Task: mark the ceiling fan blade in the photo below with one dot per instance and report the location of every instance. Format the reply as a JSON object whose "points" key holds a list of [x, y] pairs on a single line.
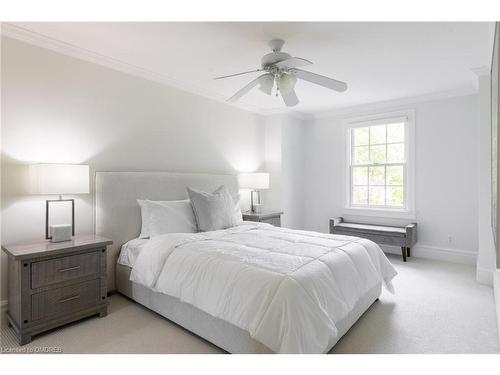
{"points": [[245, 89], [293, 62], [290, 99], [318, 79], [239, 74]]}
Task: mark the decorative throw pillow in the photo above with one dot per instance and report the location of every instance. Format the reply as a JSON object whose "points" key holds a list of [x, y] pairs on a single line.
{"points": [[214, 211]]}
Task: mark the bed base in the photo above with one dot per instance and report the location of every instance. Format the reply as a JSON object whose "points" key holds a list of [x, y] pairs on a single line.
{"points": [[215, 330]]}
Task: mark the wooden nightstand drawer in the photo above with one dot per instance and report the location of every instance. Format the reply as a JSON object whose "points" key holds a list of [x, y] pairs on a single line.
{"points": [[55, 270], [65, 300]]}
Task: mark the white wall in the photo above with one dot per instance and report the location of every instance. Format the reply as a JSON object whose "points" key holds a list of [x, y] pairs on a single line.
{"points": [[272, 198], [486, 248], [447, 149], [60, 109], [284, 161], [293, 168]]}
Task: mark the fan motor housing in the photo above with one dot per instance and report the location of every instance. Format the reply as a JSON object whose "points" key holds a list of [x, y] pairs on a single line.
{"points": [[273, 58]]}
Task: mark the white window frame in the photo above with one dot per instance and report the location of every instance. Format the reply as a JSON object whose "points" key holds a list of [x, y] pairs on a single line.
{"points": [[408, 212]]}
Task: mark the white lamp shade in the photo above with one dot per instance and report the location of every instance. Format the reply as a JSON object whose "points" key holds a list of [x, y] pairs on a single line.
{"points": [[287, 83], [266, 83], [47, 179], [256, 181]]}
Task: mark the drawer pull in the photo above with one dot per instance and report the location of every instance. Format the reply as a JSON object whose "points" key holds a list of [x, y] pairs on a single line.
{"points": [[69, 269], [69, 298]]}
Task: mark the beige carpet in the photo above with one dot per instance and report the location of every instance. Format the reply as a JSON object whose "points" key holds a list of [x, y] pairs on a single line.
{"points": [[438, 308]]}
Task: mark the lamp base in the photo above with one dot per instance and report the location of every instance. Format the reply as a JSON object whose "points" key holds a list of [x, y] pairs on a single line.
{"points": [[256, 209], [47, 202], [255, 205], [60, 232]]}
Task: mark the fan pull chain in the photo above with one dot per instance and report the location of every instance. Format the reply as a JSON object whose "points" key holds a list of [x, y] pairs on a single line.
{"points": [[277, 79]]}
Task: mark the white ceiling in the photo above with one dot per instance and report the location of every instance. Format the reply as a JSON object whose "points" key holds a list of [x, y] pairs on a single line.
{"points": [[379, 61]]}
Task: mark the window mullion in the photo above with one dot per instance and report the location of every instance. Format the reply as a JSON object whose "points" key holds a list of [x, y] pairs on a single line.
{"points": [[351, 151], [369, 145], [385, 184], [352, 147], [368, 169], [370, 165], [385, 169]]}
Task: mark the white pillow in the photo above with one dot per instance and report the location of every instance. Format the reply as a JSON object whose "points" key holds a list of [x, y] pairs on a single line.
{"points": [[214, 211], [144, 218], [171, 217], [146, 215]]}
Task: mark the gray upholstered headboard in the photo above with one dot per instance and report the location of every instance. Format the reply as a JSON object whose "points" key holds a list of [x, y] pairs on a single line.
{"points": [[117, 214]]}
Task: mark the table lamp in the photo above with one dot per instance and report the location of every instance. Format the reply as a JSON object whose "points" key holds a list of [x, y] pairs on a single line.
{"points": [[256, 182], [59, 179]]}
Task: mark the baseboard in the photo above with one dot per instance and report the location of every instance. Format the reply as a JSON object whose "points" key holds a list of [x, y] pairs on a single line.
{"points": [[485, 276], [438, 253], [496, 291]]}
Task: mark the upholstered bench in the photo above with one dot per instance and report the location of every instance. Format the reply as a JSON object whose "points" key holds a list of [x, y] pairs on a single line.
{"points": [[404, 237]]}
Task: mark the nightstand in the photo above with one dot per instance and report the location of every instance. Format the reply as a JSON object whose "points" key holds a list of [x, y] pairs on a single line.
{"points": [[51, 284], [270, 217]]}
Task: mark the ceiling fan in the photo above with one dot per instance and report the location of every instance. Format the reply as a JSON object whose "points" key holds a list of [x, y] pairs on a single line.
{"points": [[281, 70]]}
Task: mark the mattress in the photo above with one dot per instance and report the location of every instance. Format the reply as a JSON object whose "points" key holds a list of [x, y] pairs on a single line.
{"points": [[215, 330]]}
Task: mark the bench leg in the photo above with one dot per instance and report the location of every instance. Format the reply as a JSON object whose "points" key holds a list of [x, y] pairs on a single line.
{"points": [[408, 252], [403, 251]]}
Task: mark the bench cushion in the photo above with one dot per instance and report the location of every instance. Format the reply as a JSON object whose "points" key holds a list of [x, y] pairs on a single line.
{"points": [[371, 229]]}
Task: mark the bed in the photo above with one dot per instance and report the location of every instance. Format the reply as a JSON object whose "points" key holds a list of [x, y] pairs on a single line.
{"points": [[289, 291]]}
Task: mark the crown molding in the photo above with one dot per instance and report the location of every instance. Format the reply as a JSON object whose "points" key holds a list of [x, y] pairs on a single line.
{"points": [[396, 103], [25, 35], [39, 40]]}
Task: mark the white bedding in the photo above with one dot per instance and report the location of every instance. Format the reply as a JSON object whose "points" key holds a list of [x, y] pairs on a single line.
{"points": [[287, 288], [131, 250]]}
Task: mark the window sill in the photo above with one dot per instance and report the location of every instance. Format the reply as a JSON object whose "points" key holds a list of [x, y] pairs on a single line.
{"points": [[381, 213]]}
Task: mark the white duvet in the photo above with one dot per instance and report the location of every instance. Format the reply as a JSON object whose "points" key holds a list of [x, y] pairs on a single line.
{"points": [[287, 288]]}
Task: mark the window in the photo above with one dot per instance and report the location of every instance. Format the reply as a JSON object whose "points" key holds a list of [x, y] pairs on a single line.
{"points": [[379, 164]]}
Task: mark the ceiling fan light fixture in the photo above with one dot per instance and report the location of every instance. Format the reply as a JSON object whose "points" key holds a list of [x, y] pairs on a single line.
{"points": [[281, 69], [266, 83], [287, 83]]}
